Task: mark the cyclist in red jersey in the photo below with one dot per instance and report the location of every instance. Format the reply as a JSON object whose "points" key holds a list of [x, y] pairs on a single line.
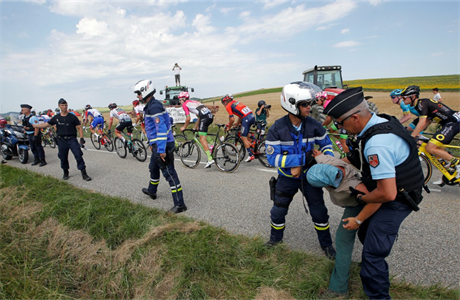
{"points": [[429, 111], [245, 118]]}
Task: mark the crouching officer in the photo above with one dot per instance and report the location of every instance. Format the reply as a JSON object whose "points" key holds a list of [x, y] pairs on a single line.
{"points": [[288, 141], [67, 125], [162, 145], [388, 159], [34, 135]]}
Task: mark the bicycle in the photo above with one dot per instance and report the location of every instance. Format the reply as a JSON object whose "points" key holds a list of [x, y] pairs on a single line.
{"points": [[336, 144], [101, 139], [49, 137], [133, 146], [257, 146], [450, 176], [139, 134], [179, 138], [224, 154]]}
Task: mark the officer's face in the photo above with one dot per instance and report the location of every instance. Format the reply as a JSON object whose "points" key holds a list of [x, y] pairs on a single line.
{"points": [[304, 108], [63, 107], [25, 111]]}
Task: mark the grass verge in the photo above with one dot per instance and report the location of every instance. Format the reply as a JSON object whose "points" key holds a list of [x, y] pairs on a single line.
{"points": [[57, 241]]}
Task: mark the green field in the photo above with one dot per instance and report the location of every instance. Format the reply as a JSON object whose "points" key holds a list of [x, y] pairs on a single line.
{"points": [[448, 83]]}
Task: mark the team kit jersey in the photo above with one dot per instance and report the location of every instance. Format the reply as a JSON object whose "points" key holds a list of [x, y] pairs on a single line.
{"points": [[436, 111], [93, 113], [120, 114], [237, 108], [196, 107], [139, 109]]}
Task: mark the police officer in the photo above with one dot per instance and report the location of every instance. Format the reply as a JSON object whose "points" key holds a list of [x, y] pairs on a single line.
{"points": [[288, 142], [162, 145], [391, 171], [33, 134], [67, 125]]}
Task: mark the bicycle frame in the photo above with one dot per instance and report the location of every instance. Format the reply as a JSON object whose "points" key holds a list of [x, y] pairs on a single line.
{"points": [[435, 162]]}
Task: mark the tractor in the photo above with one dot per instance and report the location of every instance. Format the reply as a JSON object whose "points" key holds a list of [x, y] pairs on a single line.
{"points": [[172, 94], [329, 79]]}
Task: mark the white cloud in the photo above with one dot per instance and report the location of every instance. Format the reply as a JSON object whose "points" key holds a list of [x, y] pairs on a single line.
{"points": [[437, 54], [322, 28], [226, 10], [91, 27], [345, 30], [346, 44], [245, 14], [201, 23], [272, 3]]}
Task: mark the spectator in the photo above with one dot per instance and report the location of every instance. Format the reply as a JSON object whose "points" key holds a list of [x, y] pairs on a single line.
{"points": [[176, 70], [437, 95]]}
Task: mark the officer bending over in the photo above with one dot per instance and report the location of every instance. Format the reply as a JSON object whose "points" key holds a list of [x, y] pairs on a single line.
{"points": [[67, 125], [34, 135], [388, 159]]}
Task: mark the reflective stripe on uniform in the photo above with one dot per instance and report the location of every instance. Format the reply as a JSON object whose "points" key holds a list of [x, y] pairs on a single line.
{"points": [[321, 226], [277, 226]]}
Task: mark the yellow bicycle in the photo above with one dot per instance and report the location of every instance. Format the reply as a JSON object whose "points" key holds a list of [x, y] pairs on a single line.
{"points": [[449, 175]]}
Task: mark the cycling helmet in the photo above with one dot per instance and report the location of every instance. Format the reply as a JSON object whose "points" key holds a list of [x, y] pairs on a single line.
{"points": [[3, 122], [226, 98], [411, 90], [260, 103], [396, 92], [320, 95], [112, 105], [185, 95], [296, 92], [135, 103], [88, 107], [57, 110], [144, 88]]}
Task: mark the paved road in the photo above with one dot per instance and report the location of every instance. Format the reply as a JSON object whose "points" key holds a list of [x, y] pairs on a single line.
{"points": [[426, 252]]}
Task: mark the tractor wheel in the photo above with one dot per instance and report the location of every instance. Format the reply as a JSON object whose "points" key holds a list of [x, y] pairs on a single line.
{"points": [[317, 113]]}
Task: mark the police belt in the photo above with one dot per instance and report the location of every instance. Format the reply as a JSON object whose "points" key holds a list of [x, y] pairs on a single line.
{"points": [[67, 137]]}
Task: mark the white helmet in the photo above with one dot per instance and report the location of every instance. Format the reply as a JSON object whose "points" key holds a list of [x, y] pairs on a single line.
{"points": [[144, 88], [296, 92]]}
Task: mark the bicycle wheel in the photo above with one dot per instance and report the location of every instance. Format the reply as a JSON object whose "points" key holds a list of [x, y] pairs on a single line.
{"points": [[180, 139], [238, 143], [190, 154], [139, 151], [52, 141], [108, 142], [120, 147], [427, 168], [262, 155], [226, 157], [96, 141]]}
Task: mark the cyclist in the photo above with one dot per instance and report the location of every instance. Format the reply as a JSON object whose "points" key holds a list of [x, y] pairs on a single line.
{"points": [[123, 119], [429, 111], [262, 113], [205, 118], [288, 142], [321, 100], [396, 98], [245, 118], [96, 118], [161, 140]]}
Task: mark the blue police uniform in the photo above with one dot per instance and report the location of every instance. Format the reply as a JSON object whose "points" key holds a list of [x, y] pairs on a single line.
{"points": [[286, 148], [36, 148], [383, 152], [160, 136]]}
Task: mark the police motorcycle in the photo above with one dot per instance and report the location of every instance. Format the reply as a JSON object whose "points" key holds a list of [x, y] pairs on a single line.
{"points": [[13, 140]]}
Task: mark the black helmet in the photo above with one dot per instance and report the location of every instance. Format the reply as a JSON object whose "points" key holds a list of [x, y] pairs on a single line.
{"points": [[260, 103], [112, 105], [88, 107], [411, 90]]}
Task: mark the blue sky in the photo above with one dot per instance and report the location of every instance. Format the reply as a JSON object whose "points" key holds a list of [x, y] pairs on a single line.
{"points": [[93, 52]]}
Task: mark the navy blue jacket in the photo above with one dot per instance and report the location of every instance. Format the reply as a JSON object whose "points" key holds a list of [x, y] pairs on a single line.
{"points": [[157, 125]]}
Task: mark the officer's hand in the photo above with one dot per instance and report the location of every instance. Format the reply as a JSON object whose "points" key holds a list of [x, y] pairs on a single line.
{"points": [[163, 156], [309, 160], [296, 171], [36, 140], [355, 193], [82, 141], [351, 225]]}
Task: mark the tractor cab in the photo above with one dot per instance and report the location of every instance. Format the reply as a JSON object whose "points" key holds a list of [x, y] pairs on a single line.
{"points": [[328, 78], [172, 94]]}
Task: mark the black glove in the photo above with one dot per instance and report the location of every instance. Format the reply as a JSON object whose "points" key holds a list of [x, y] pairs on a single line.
{"points": [[82, 142], [309, 160], [109, 132], [355, 193], [37, 140]]}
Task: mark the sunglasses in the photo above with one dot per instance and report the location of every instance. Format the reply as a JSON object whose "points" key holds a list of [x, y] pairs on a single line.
{"points": [[341, 122], [306, 103], [138, 93]]}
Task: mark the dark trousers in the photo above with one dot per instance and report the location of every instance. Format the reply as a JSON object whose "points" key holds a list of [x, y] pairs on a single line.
{"points": [[37, 149], [378, 235], [72, 144], [286, 189], [169, 173]]}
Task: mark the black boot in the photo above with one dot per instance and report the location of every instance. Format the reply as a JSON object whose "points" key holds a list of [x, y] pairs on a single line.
{"points": [[66, 175], [36, 161], [84, 175], [42, 162]]}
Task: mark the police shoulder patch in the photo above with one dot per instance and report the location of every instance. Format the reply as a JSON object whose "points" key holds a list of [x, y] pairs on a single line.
{"points": [[157, 120], [270, 150], [373, 160]]}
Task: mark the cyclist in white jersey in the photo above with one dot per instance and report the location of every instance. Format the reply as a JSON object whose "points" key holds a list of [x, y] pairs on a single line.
{"points": [[123, 119], [139, 115], [96, 118]]}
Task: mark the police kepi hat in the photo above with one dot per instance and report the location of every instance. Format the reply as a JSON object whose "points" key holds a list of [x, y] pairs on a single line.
{"points": [[62, 101], [26, 106], [344, 102]]}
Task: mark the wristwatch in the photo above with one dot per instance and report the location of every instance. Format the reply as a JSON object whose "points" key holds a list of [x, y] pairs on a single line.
{"points": [[360, 200], [358, 221]]}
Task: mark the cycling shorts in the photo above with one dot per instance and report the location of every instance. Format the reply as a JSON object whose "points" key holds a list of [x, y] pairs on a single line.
{"points": [[97, 121], [125, 124], [446, 134], [246, 124], [205, 121]]}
